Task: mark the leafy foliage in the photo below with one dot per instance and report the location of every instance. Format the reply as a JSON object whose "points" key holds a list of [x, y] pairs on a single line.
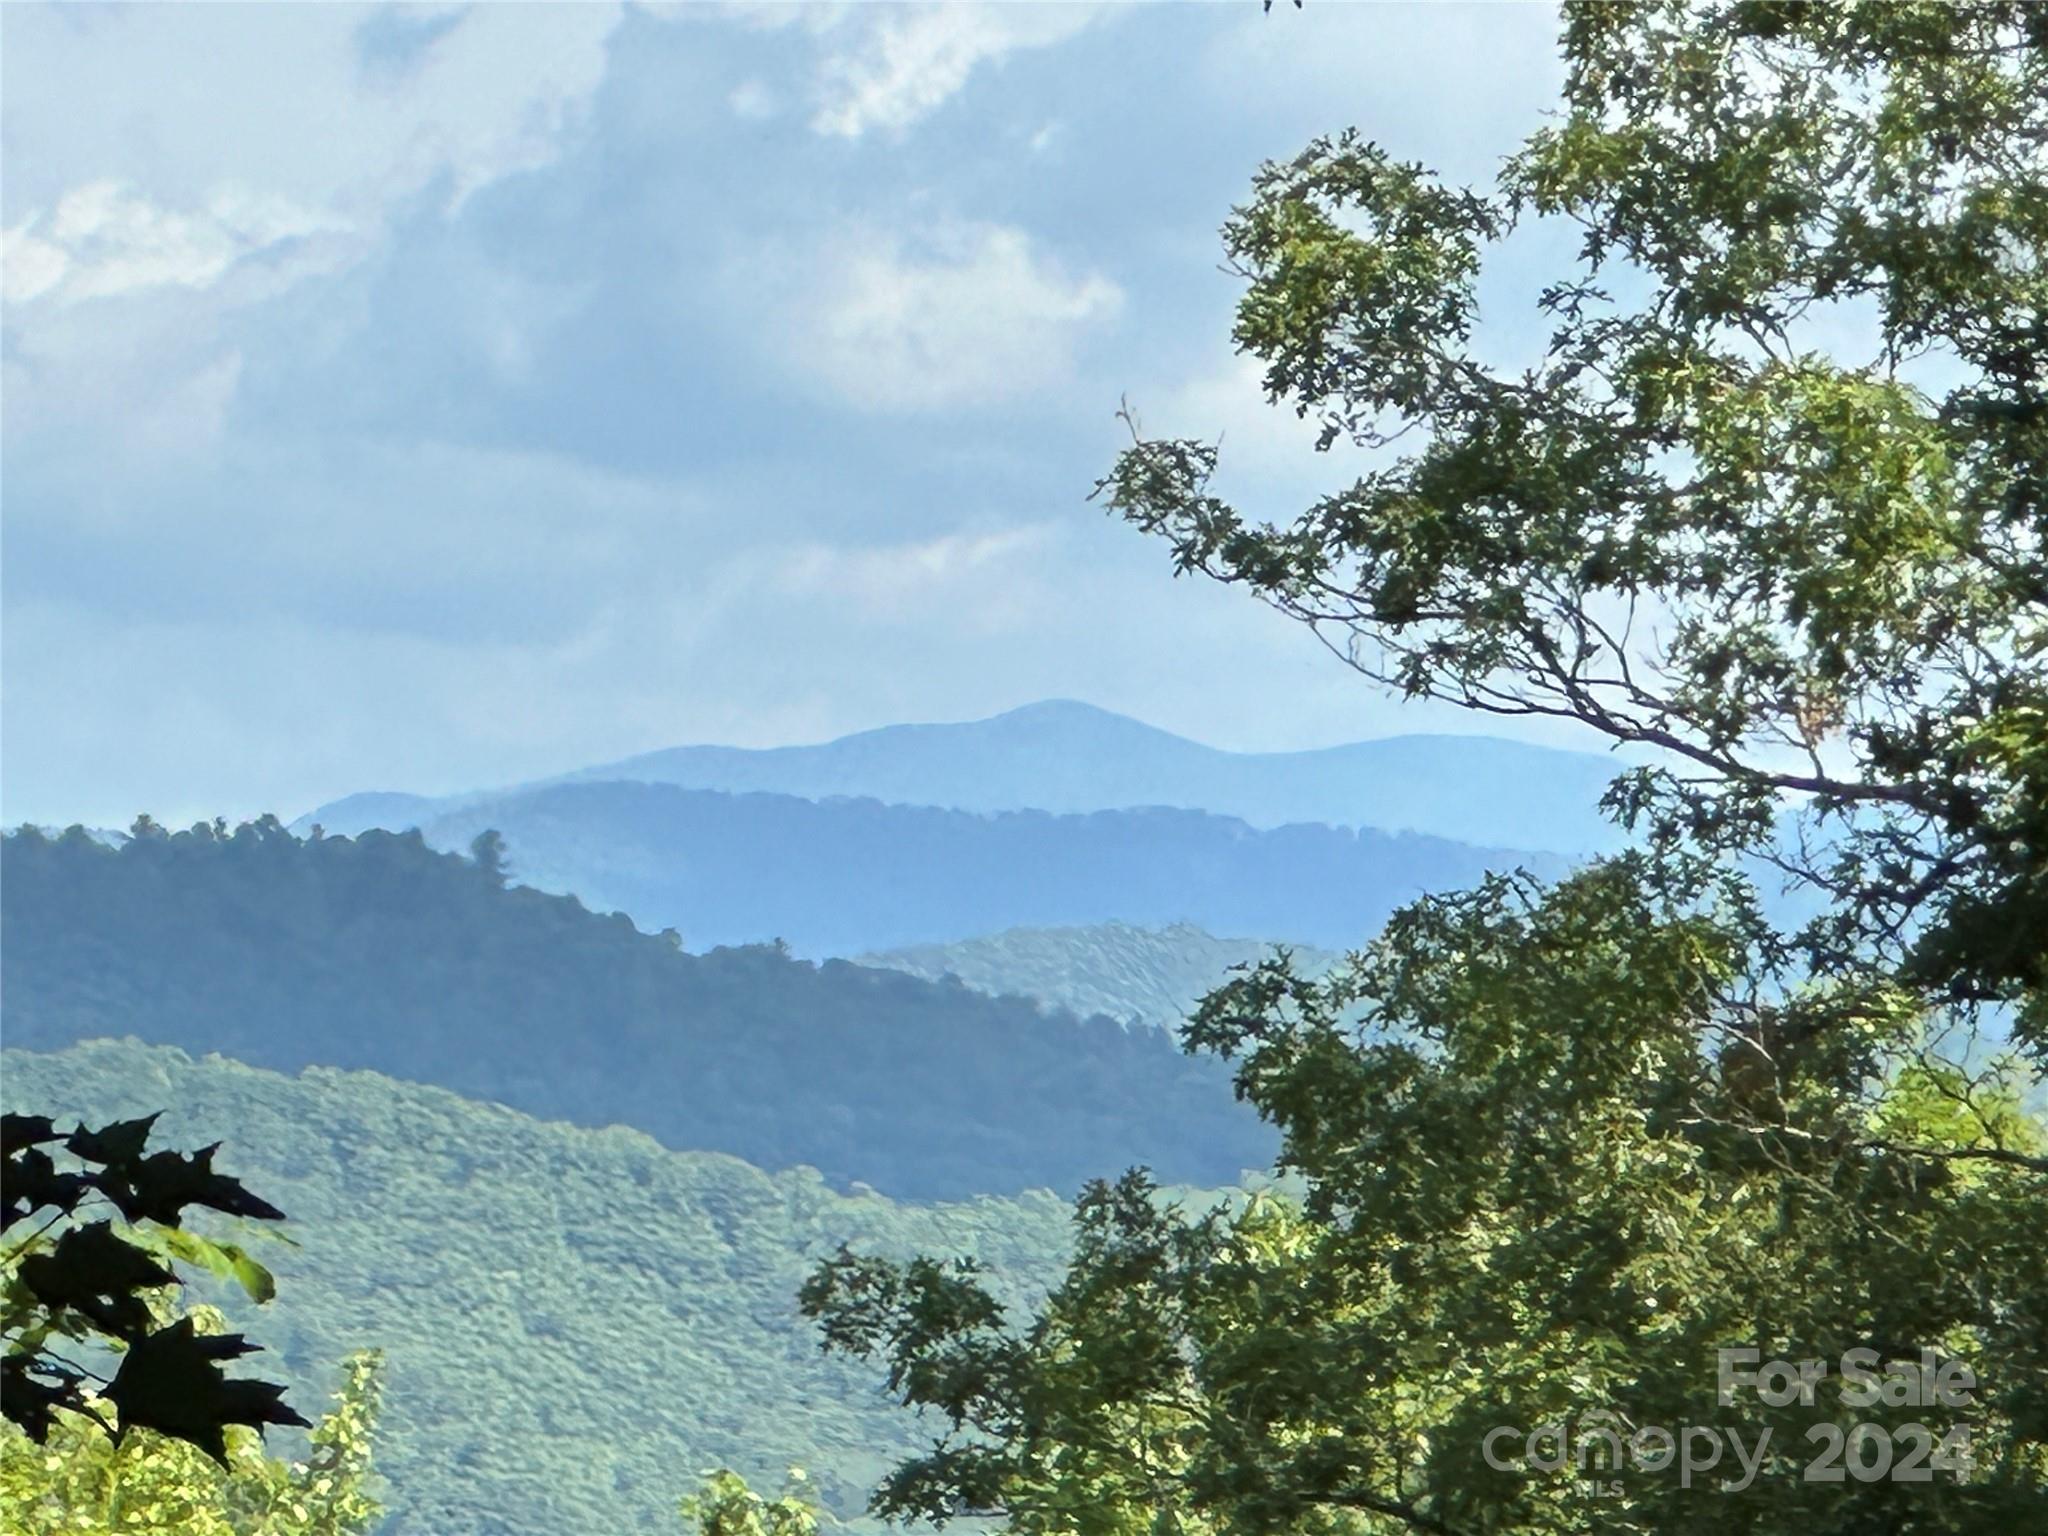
{"points": [[379, 953], [1802, 571], [78, 1482], [1590, 1135], [1503, 1224], [726, 1506], [95, 1284], [574, 1320]]}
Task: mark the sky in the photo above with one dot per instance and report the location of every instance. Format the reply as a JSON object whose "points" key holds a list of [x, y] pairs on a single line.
{"points": [[430, 397]]}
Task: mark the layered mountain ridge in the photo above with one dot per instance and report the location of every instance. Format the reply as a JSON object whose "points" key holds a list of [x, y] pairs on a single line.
{"points": [[1066, 757]]}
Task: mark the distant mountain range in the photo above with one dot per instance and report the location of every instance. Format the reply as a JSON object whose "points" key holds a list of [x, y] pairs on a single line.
{"points": [[1066, 757], [841, 877], [1144, 976], [377, 953]]}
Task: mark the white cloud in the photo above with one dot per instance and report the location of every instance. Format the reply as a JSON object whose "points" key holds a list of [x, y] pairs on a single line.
{"points": [[969, 315], [752, 100], [262, 126], [501, 93], [104, 238], [893, 580], [29, 267], [182, 163], [910, 61]]}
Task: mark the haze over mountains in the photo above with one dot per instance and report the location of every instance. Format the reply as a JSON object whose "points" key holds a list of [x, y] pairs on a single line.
{"points": [[1056, 814], [838, 877], [1066, 757], [1145, 976]]}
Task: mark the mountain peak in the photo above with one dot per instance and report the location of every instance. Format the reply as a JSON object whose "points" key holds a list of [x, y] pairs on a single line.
{"points": [[1068, 714], [1061, 709], [1067, 756]]}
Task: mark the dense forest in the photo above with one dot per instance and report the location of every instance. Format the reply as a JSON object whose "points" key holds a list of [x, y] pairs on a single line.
{"points": [[378, 953], [575, 1322], [1150, 976]]}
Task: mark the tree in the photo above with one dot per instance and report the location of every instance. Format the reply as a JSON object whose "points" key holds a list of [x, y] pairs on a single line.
{"points": [[1593, 1140], [1529, 1198], [81, 1483], [1804, 575], [726, 1506], [487, 852], [169, 1442], [96, 1283]]}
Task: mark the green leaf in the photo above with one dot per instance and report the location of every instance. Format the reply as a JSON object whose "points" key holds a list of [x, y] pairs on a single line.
{"points": [[253, 1277], [225, 1261]]}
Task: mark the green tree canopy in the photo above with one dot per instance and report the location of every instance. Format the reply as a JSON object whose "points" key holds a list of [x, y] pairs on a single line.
{"points": [[1531, 1198], [1772, 498], [1594, 1139]]}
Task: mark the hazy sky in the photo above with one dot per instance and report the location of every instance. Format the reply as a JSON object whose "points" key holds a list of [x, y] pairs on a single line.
{"points": [[429, 397]]}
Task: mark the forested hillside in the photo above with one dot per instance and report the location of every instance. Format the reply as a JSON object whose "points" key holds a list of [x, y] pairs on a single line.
{"points": [[577, 1321], [378, 953], [1149, 976], [844, 876], [449, 397]]}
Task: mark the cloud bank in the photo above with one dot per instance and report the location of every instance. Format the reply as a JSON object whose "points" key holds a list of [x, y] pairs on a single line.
{"points": [[430, 397]]}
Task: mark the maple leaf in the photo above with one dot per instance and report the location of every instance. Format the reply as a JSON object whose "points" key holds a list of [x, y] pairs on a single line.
{"points": [[96, 1274], [121, 1142], [33, 1182], [27, 1401], [160, 1186], [171, 1382], [18, 1132]]}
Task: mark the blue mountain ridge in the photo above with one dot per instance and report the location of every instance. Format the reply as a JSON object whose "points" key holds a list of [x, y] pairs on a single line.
{"points": [[1067, 757]]}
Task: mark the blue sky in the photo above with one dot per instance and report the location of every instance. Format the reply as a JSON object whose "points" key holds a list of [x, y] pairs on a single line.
{"points": [[429, 397]]}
